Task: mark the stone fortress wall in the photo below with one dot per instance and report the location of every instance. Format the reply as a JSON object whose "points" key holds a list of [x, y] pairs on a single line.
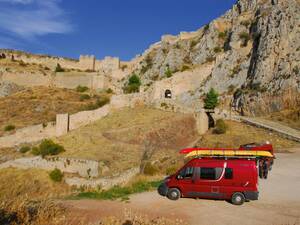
{"points": [[92, 73]]}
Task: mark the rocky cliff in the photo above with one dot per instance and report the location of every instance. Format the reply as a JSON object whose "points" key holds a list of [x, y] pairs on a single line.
{"points": [[254, 49]]}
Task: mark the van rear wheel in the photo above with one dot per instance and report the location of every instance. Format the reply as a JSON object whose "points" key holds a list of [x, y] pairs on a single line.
{"points": [[238, 198], [173, 194]]}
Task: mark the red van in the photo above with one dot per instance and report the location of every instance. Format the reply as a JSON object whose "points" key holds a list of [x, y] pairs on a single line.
{"points": [[228, 179]]}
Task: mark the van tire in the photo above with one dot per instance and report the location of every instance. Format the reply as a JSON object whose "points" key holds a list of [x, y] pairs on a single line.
{"points": [[173, 194], [238, 198]]}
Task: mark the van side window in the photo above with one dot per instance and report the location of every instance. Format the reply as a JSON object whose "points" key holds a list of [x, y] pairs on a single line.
{"points": [[210, 173], [228, 173], [207, 173], [187, 172]]}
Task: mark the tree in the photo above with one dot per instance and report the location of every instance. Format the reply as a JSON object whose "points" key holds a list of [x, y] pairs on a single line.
{"points": [[211, 99], [133, 85]]}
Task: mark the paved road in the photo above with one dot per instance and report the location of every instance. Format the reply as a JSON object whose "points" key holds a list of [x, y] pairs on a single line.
{"points": [[286, 131], [279, 202]]}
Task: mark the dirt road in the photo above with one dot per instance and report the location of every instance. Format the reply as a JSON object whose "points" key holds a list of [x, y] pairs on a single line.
{"points": [[279, 202]]}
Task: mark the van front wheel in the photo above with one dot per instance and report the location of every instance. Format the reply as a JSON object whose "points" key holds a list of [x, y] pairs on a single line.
{"points": [[173, 194], [238, 198]]}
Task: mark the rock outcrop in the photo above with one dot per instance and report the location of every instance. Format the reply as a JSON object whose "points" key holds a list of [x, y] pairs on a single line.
{"points": [[254, 49]]}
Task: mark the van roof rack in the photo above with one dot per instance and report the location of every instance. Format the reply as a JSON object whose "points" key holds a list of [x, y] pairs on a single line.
{"points": [[252, 150]]}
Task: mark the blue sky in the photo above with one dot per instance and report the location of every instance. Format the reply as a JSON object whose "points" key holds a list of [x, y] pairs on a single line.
{"points": [[122, 28]]}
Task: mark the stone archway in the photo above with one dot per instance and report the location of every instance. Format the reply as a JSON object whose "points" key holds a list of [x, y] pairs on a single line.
{"points": [[168, 93]]}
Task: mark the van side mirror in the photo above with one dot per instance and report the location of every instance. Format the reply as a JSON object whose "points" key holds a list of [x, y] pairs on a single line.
{"points": [[179, 177]]}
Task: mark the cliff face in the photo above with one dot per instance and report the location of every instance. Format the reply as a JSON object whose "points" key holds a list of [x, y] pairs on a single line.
{"points": [[254, 49]]}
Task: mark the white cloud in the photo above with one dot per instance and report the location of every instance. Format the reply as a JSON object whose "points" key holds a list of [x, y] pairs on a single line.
{"points": [[17, 1], [29, 19]]}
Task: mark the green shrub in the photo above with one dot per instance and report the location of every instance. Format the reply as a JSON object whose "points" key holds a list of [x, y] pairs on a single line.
{"points": [[9, 127], [133, 85], [56, 175], [184, 68], [150, 169], [221, 127], [168, 73], [35, 151], [81, 88], [24, 149], [48, 147], [59, 68], [85, 97], [211, 100]]}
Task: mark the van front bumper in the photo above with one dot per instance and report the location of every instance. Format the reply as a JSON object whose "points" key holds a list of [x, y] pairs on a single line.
{"points": [[163, 189], [251, 195]]}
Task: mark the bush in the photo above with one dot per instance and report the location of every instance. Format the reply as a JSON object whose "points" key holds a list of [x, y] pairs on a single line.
{"points": [[84, 97], [133, 85], [59, 68], [211, 100], [24, 149], [168, 73], [9, 127], [35, 151], [150, 169], [81, 88], [47, 147], [221, 127], [109, 91], [56, 175], [98, 104]]}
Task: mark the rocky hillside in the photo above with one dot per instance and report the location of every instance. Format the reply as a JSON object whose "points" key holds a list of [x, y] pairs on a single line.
{"points": [[255, 50]]}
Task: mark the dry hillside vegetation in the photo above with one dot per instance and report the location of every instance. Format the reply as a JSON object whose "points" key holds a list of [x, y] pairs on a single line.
{"points": [[290, 117], [40, 105], [240, 133], [33, 184], [121, 139], [21, 67]]}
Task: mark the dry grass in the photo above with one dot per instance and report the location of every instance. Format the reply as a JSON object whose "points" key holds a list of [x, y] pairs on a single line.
{"points": [[21, 67], [118, 139], [39, 105], [134, 218], [17, 184], [290, 117], [240, 133]]}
